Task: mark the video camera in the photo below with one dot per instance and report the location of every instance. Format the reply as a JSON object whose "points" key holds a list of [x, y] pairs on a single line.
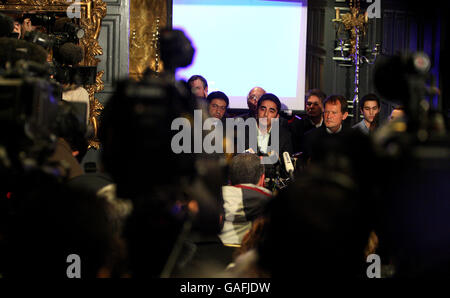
{"points": [[81, 75], [64, 30], [28, 109]]}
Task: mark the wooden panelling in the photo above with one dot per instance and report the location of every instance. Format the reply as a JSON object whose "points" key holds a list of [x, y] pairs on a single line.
{"points": [[114, 41]]}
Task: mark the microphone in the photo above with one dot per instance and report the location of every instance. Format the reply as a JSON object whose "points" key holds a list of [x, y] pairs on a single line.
{"points": [[288, 164]]}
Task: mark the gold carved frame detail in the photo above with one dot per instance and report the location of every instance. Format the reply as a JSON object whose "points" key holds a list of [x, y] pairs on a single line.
{"points": [[91, 14], [147, 18]]}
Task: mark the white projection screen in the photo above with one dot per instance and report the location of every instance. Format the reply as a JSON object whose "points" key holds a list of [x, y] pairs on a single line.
{"points": [[241, 44]]}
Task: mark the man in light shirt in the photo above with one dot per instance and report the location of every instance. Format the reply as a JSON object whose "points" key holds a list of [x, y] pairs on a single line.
{"points": [[268, 110], [370, 107]]}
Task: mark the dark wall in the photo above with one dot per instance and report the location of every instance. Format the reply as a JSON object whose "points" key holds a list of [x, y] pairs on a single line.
{"points": [[402, 27]]}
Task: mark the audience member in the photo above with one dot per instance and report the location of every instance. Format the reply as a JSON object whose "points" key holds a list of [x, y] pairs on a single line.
{"points": [[69, 56], [199, 86], [370, 108], [252, 101], [217, 104], [312, 119], [245, 197], [52, 222], [397, 113], [325, 227], [335, 112], [71, 141]]}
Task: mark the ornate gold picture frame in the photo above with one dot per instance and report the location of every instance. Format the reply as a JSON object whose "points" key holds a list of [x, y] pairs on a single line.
{"points": [[91, 13]]}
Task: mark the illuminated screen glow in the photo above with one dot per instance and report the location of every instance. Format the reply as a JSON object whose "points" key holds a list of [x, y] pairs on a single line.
{"points": [[241, 44]]}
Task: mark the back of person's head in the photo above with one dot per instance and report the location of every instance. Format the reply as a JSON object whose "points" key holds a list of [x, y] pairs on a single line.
{"points": [[369, 97], [51, 222], [70, 125], [69, 54], [60, 24], [316, 224], [198, 77], [151, 232], [218, 95], [325, 217], [335, 99], [246, 168], [316, 92], [272, 97]]}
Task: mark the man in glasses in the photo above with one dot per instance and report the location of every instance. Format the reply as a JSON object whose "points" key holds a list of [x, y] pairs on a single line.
{"points": [[370, 107], [312, 119], [252, 100]]}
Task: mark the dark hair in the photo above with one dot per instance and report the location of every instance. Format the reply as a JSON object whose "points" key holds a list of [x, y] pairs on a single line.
{"points": [[369, 97], [316, 92], [245, 168], [271, 97], [333, 99], [198, 77], [218, 95], [6, 25]]}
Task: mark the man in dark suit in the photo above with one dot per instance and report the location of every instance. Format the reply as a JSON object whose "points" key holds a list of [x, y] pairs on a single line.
{"points": [[312, 119], [265, 136], [268, 108], [335, 112]]}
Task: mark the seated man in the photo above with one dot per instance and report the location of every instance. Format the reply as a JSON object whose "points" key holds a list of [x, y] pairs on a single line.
{"points": [[245, 199], [370, 107], [335, 112], [252, 100], [269, 109], [199, 86], [312, 119], [217, 104]]}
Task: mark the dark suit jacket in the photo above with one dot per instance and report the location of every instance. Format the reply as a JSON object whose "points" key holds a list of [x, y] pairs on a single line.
{"points": [[315, 135], [298, 127], [284, 141]]}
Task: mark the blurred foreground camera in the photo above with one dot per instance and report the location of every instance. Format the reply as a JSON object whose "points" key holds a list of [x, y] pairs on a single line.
{"points": [[28, 109]]}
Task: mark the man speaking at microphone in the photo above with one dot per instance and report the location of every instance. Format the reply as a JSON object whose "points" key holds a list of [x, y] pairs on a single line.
{"points": [[271, 140], [268, 110]]}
